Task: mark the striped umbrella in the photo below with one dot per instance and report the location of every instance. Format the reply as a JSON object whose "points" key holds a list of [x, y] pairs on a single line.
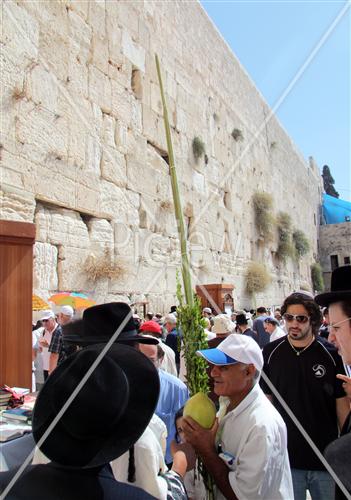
{"points": [[38, 304], [73, 299]]}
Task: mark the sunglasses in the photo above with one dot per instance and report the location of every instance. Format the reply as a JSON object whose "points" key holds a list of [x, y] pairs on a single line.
{"points": [[300, 318], [44, 320]]}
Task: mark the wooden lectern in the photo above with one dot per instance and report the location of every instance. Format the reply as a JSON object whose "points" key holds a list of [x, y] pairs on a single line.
{"points": [[219, 297], [16, 283]]}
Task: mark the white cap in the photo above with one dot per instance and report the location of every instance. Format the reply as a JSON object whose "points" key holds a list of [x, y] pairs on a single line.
{"points": [[236, 348], [67, 311], [207, 310], [222, 324], [47, 314]]}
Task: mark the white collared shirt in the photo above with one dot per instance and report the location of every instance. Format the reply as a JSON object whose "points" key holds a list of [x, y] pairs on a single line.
{"points": [[277, 334], [149, 453], [253, 441]]}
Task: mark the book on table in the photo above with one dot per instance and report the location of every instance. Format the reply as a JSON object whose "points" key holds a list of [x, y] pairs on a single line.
{"points": [[11, 430], [22, 414]]}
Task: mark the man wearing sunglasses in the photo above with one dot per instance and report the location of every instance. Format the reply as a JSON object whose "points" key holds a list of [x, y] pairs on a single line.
{"points": [[303, 369]]}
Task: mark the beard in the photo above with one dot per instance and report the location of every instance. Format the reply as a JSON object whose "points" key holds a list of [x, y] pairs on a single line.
{"points": [[300, 333]]}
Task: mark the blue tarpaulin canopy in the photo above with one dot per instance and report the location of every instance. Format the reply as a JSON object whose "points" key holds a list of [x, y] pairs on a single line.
{"points": [[336, 211]]}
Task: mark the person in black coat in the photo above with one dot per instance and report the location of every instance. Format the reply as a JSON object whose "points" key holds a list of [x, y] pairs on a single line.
{"points": [[106, 417], [338, 302]]}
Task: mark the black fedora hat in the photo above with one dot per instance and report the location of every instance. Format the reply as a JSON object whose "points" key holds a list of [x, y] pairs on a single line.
{"points": [[109, 413], [100, 322], [340, 288]]}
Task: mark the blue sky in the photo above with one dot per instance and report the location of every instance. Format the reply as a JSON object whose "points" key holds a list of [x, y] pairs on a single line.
{"points": [[273, 40]]}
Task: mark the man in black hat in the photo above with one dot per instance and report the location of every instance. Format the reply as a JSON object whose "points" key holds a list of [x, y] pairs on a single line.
{"points": [[338, 301], [243, 326], [99, 324], [95, 428]]}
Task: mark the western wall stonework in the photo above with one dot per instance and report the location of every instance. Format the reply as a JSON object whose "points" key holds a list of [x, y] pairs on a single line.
{"points": [[334, 239], [83, 148]]}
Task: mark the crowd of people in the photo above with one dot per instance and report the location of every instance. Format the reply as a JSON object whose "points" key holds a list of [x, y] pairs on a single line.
{"points": [[272, 372]]}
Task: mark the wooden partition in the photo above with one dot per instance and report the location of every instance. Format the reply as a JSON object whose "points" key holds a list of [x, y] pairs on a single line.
{"points": [[16, 275], [217, 296]]}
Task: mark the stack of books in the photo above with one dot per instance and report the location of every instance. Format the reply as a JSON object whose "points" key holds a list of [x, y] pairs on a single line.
{"points": [[5, 397], [22, 415]]}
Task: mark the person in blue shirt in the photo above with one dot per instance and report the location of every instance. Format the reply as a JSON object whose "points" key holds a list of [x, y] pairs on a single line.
{"points": [[173, 395]]}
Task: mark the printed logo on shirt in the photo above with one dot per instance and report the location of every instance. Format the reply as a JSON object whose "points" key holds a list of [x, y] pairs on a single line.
{"points": [[319, 370]]}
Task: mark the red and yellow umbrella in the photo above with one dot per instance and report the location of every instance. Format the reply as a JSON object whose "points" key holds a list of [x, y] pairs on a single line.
{"points": [[73, 299], [38, 304]]}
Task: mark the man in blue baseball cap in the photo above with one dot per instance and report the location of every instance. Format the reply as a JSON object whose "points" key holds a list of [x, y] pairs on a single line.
{"points": [[246, 450]]}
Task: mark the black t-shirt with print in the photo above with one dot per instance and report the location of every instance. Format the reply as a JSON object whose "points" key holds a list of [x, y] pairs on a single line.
{"points": [[309, 386]]}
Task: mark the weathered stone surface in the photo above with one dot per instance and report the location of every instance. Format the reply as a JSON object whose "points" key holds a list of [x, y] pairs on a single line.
{"points": [[83, 130], [334, 239], [16, 204], [45, 266], [113, 166], [134, 52], [61, 227]]}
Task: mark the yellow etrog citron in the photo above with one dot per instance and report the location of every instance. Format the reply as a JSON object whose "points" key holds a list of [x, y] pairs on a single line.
{"points": [[201, 409]]}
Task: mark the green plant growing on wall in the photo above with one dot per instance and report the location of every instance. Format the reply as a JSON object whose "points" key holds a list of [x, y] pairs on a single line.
{"points": [[284, 226], [264, 219], [257, 278], [301, 243], [237, 134], [317, 277], [198, 147]]}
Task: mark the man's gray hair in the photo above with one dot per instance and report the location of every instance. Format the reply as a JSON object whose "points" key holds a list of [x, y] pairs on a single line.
{"points": [[170, 318]]}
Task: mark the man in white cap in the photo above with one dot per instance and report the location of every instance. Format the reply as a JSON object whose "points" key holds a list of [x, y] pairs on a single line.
{"points": [[246, 450], [65, 315], [51, 342]]}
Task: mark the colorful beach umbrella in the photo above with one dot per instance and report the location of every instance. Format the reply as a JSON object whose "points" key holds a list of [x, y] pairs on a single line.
{"points": [[74, 299], [38, 304]]}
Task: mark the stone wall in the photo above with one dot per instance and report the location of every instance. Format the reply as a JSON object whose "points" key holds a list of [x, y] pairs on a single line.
{"points": [[334, 239], [83, 150]]}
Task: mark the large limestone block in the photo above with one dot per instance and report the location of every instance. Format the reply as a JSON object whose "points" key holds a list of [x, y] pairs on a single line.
{"points": [[101, 235], [45, 266], [109, 130], [70, 269], [51, 42], [79, 6], [53, 14], [16, 204], [61, 227], [113, 166], [115, 203], [121, 103], [93, 151], [153, 127], [53, 187], [97, 16], [41, 132], [20, 33], [100, 91], [88, 200], [80, 34], [78, 75], [100, 53], [133, 51], [11, 178], [139, 177], [43, 88]]}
